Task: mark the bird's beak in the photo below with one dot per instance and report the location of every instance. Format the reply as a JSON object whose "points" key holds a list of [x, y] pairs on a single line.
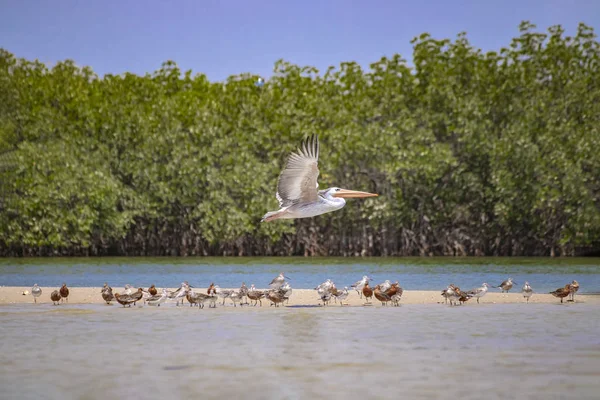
{"points": [[286, 278], [348, 194]]}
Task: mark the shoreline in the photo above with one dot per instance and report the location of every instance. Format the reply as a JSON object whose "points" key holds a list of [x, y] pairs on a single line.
{"points": [[300, 297]]}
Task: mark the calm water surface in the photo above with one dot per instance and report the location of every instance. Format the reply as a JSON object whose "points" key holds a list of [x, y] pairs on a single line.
{"points": [[544, 274], [491, 351]]}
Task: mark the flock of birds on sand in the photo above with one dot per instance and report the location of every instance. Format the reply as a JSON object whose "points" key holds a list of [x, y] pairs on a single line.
{"points": [[280, 291]]}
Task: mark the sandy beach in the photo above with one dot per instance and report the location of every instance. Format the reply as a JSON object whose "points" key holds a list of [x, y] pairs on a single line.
{"points": [[300, 297]]}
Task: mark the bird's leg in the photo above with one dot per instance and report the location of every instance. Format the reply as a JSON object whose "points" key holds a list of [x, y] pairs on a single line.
{"points": [[478, 300]]}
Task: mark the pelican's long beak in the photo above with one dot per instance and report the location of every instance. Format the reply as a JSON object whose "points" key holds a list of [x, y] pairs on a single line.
{"points": [[348, 194]]}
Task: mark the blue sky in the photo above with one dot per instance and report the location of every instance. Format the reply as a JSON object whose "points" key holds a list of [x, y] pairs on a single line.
{"points": [[222, 38]]}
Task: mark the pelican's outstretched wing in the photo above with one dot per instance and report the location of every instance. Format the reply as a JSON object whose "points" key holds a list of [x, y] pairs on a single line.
{"points": [[298, 181]]}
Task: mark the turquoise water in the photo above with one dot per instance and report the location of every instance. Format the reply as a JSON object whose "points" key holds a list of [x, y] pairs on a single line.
{"points": [[544, 274], [492, 351]]}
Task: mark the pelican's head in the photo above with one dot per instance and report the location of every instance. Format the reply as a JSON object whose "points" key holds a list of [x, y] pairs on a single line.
{"points": [[337, 192]]}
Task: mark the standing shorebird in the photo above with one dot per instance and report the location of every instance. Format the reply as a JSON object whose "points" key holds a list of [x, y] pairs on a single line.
{"points": [[342, 295], [527, 291], [244, 293], [278, 281], [55, 297], [107, 293], [157, 300], [128, 299], [358, 286], [381, 295], [255, 295], [275, 296], [395, 292], [286, 291], [479, 292], [152, 290], [211, 289], [180, 293], [367, 292], [563, 292], [36, 291], [452, 294], [297, 187], [223, 293], [574, 289], [506, 285], [64, 292]]}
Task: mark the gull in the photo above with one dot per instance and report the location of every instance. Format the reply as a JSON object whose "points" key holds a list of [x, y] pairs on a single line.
{"points": [[358, 286], [479, 292], [157, 300], [506, 285]]}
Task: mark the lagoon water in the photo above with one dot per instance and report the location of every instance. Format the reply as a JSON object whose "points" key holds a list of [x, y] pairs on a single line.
{"points": [[491, 351], [421, 351], [413, 273]]}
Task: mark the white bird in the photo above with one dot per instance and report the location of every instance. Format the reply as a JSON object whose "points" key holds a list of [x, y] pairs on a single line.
{"points": [[342, 295], [286, 289], [297, 187], [385, 286], [479, 292], [451, 295], [236, 297], [157, 300], [180, 293], [223, 293], [128, 289], [358, 286], [527, 291], [36, 291], [278, 281]]}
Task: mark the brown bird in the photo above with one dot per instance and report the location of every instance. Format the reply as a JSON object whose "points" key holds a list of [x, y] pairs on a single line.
{"points": [[64, 292], [255, 295], [196, 298], [152, 290], [381, 296], [107, 294], [211, 288], [55, 297], [463, 297], [128, 299], [574, 289], [367, 292], [275, 296], [395, 293], [506, 285], [562, 292]]}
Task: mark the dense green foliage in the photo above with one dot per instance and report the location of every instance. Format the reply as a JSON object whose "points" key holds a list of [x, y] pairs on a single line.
{"points": [[472, 153]]}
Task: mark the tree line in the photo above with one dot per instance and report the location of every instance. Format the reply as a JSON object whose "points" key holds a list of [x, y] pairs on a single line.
{"points": [[471, 152]]}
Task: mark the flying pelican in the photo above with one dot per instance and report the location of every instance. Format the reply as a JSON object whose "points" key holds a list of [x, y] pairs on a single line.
{"points": [[297, 187]]}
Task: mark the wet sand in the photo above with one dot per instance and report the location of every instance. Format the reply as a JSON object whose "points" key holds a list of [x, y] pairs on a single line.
{"points": [[300, 297]]}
